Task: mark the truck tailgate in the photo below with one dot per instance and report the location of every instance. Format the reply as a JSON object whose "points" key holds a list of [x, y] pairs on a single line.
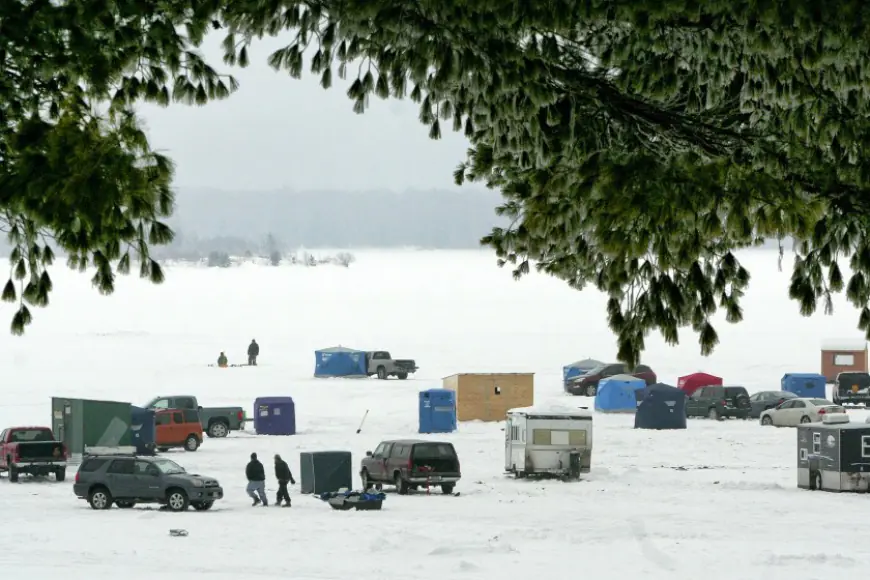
{"points": [[40, 451]]}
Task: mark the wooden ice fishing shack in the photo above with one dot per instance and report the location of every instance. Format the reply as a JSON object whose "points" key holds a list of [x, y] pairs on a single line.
{"points": [[489, 396], [843, 355]]}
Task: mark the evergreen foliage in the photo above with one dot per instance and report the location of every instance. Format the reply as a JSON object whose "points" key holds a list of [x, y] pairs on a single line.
{"points": [[637, 144]]}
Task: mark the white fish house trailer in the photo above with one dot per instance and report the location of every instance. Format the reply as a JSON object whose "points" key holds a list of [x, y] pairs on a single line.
{"points": [[554, 441], [834, 455]]}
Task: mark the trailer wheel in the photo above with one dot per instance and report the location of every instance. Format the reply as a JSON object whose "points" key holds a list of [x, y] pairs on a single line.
{"points": [[815, 481]]}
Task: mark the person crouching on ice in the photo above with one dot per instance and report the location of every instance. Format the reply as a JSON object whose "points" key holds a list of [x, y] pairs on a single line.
{"points": [[222, 361], [256, 474], [283, 475]]}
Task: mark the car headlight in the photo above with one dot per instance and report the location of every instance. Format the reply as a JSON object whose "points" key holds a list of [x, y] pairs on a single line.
{"points": [[197, 483]]}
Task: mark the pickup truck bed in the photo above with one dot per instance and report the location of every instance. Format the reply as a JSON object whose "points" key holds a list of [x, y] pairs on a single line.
{"points": [[32, 450]]}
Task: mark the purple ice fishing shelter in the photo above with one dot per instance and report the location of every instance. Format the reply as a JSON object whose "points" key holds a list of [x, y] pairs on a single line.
{"points": [[274, 416]]}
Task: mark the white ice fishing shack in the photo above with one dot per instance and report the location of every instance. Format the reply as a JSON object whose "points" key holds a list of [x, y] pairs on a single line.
{"points": [[548, 441]]}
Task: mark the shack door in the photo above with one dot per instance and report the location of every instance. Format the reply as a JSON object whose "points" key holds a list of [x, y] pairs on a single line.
{"points": [[508, 438]]}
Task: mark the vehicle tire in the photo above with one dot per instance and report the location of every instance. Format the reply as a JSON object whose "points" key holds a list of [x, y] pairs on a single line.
{"points": [[402, 376], [364, 478], [815, 481], [125, 505], [766, 421], [713, 414], [202, 506], [805, 419], [591, 390], [177, 500], [191, 443], [100, 498], [401, 484], [447, 488], [218, 429], [13, 471], [382, 373], [163, 449], [60, 474]]}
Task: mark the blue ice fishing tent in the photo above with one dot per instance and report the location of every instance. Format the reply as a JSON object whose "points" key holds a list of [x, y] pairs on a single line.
{"points": [[437, 411], [339, 361], [810, 385], [274, 416], [660, 406], [580, 367], [143, 430], [616, 394]]}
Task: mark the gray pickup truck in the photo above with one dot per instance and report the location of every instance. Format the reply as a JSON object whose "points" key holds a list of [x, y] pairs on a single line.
{"points": [[381, 364], [216, 421], [126, 480]]}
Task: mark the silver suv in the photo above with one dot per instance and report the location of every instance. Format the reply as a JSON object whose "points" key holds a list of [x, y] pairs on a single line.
{"points": [[126, 480]]}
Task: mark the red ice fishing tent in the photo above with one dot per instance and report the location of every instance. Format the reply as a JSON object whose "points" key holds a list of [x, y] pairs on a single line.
{"points": [[691, 383]]}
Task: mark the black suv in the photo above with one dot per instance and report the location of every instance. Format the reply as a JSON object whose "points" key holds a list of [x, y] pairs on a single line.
{"points": [[852, 388], [411, 464], [718, 402], [126, 480]]}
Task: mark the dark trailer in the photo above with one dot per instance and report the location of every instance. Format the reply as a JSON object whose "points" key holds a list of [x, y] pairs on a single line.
{"points": [[834, 455]]}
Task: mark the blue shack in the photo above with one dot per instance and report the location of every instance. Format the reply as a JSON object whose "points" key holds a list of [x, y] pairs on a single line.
{"points": [[274, 416], [338, 361], [616, 394], [143, 430], [810, 385], [437, 411]]}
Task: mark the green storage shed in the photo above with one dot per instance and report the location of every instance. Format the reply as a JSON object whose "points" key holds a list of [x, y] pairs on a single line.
{"points": [[82, 423]]}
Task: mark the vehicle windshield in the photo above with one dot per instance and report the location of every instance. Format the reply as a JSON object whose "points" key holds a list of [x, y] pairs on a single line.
{"points": [[31, 435], [434, 451], [734, 391], [168, 467], [820, 402], [845, 381]]}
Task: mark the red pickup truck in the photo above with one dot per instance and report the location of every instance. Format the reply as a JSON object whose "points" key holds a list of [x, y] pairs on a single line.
{"points": [[32, 450]]}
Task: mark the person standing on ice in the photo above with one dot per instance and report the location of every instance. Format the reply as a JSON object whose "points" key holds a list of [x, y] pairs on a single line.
{"points": [[222, 360], [256, 474], [253, 352], [283, 475]]}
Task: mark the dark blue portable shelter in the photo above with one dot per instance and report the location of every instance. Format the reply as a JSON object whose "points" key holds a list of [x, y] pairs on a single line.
{"points": [[660, 407], [339, 361], [810, 385], [437, 411], [274, 416], [143, 431]]}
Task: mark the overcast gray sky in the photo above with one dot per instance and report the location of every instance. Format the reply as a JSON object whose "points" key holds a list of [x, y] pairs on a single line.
{"points": [[277, 132]]}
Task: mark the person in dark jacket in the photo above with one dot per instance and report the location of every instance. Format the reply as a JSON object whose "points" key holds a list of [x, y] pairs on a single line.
{"points": [[256, 474], [222, 360], [283, 475], [253, 352]]}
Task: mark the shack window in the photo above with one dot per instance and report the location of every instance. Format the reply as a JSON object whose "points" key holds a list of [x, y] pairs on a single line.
{"points": [[844, 360], [577, 437], [541, 436], [515, 433], [817, 443], [558, 437], [865, 446]]}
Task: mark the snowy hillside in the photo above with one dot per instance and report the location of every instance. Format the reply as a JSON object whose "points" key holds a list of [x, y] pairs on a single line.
{"points": [[718, 500]]}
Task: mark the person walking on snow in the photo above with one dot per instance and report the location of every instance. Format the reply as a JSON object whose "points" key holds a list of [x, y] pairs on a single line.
{"points": [[253, 353], [222, 360], [283, 475], [256, 474]]}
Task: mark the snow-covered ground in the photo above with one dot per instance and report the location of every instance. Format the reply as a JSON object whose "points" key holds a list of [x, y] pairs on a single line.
{"points": [[718, 500]]}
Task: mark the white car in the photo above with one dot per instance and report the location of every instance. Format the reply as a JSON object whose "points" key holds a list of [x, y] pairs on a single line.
{"points": [[793, 412]]}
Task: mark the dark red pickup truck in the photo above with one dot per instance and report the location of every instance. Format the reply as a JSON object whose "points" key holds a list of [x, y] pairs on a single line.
{"points": [[32, 450]]}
